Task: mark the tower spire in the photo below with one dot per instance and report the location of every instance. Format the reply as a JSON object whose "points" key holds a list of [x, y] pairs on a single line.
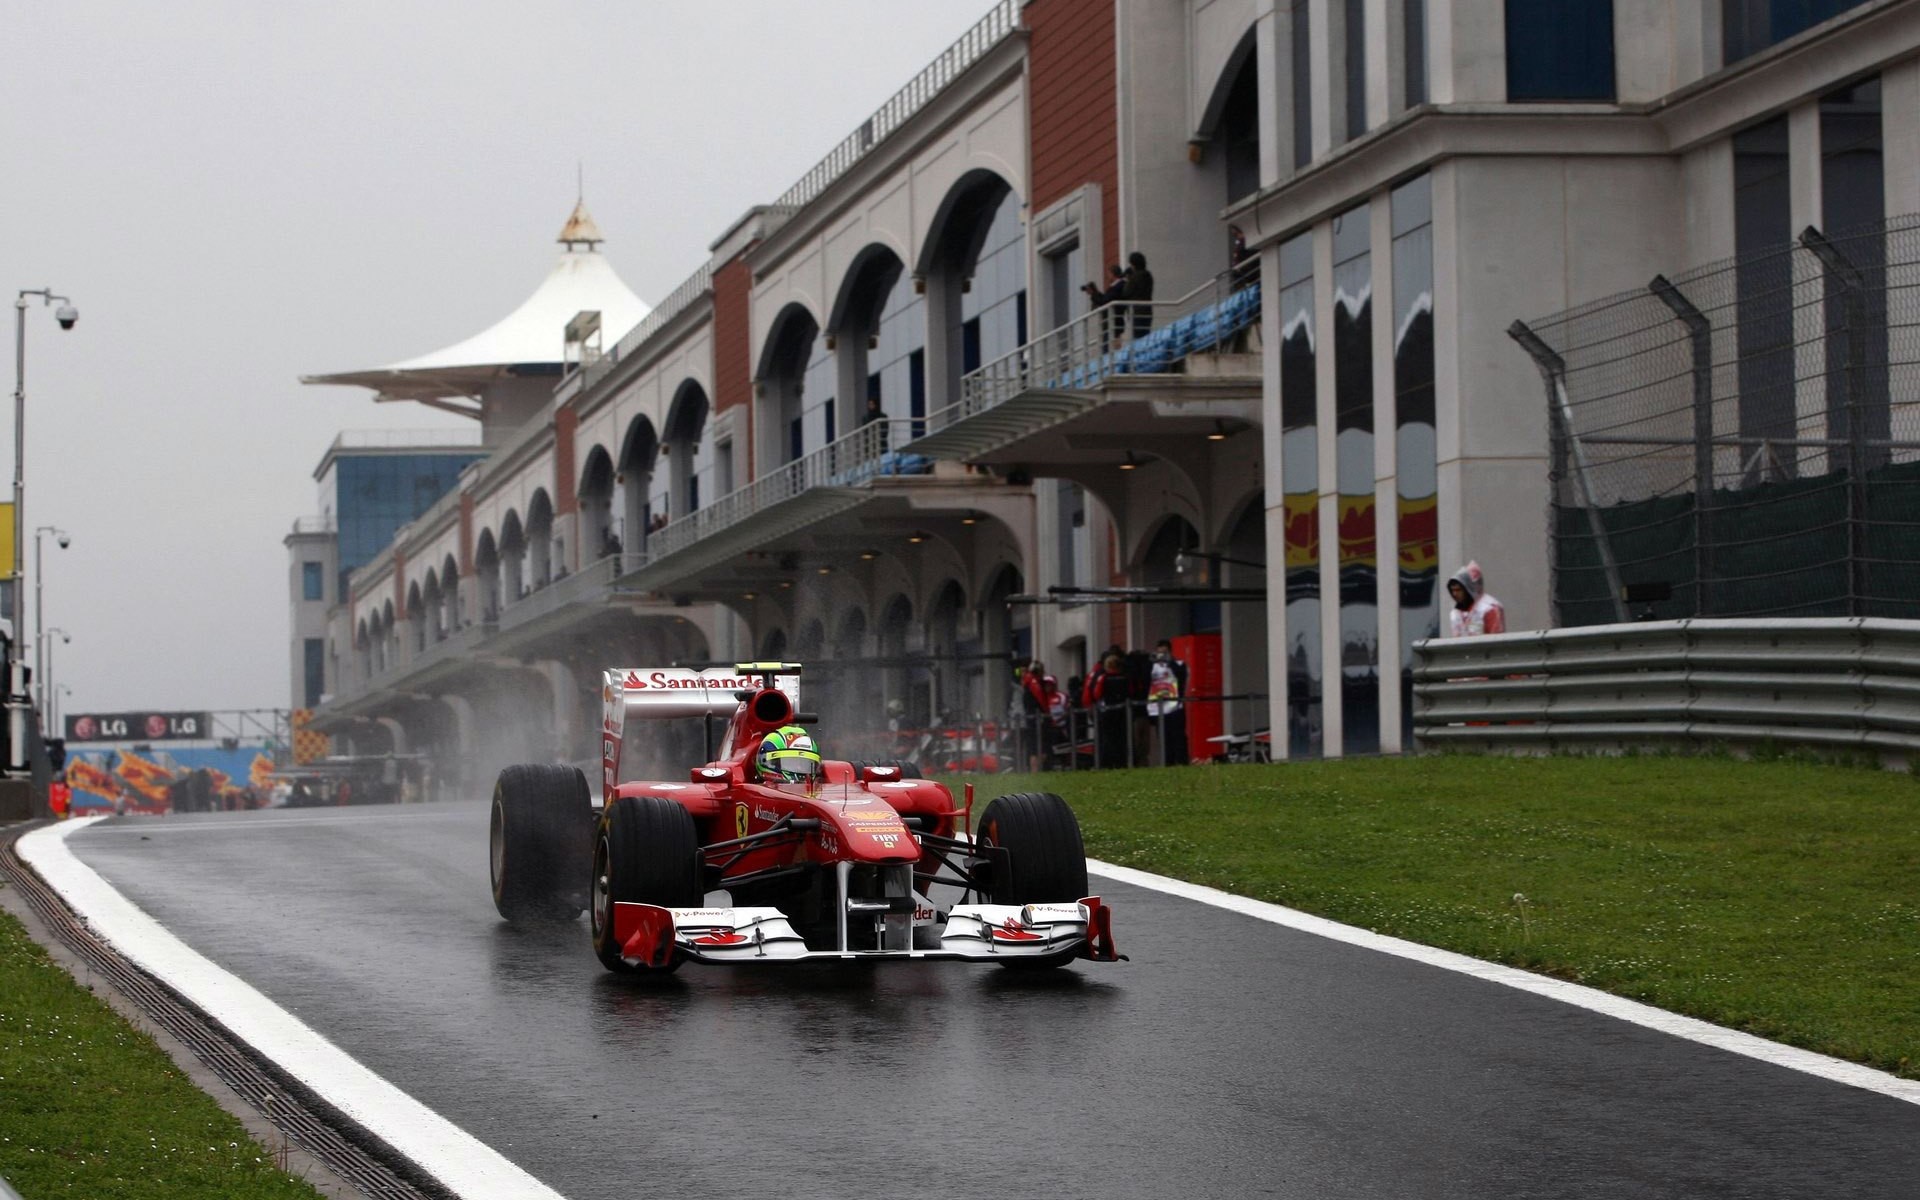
{"points": [[580, 229]]}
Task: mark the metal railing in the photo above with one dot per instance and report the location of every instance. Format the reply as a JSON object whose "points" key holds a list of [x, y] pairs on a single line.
{"points": [[692, 288], [1127, 337], [1826, 683], [973, 45], [323, 523], [570, 589], [849, 461]]}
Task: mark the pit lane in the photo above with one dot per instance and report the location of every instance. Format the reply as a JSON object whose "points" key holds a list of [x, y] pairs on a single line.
{"points": [[1231, 1057]]}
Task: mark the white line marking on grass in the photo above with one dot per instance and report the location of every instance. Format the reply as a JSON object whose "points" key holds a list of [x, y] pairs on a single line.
{"points": [[1632, 1011], [468, 1166]]}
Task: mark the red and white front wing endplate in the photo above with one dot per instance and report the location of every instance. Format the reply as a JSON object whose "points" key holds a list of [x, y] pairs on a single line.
{"points": [[651, 936]]}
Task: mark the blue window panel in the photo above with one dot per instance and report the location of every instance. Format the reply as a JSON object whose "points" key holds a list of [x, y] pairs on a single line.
{"points": [[313, 584], [314, 683], [1560, 50], [1749, 26]]}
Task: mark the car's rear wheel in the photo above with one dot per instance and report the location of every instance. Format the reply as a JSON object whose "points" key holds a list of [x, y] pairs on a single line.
{"points": [[646, 851], [537, 840]]}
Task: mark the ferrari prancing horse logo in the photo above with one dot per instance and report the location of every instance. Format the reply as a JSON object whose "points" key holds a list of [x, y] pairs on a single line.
{"points": [[739, 820]]}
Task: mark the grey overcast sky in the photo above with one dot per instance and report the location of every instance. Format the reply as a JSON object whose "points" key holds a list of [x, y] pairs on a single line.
{"points": [[235, 194]]}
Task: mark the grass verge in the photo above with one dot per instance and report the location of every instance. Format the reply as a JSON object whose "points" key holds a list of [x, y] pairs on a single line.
{"points": [[90, 1106], [1780, 898]]}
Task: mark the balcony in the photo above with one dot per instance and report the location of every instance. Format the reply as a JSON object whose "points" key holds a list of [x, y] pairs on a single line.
{"points": [[837, 477], [1178, 366]]}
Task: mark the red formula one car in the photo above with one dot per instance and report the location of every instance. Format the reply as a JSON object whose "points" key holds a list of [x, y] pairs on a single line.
{"points": [[731, 866]]}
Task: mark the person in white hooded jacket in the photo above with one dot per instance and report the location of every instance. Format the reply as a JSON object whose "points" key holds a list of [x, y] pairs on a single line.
{"points": [[1474, 610]]}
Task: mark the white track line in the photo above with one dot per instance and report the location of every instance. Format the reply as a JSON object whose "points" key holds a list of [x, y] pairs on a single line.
{"points": [[468, 1166], [1693, 1030]]}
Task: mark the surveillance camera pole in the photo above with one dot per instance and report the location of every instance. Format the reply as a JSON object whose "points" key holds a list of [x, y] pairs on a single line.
{"points": [[17, 701]]}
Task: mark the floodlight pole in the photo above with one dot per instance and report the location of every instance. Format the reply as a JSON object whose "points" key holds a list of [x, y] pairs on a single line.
{"points": [[17, 701]]}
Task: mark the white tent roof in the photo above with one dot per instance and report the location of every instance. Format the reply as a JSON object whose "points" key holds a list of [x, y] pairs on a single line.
{"points": [[532, 335]]}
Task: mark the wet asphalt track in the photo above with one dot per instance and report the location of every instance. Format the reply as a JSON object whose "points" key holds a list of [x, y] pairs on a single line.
{"points": [[1229, 1058]]}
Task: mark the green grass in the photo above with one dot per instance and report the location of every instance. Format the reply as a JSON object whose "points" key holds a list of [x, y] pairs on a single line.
{"points": [[90, 1106], [1781, 898]]}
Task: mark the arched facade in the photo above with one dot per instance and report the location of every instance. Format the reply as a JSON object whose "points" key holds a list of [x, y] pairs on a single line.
{"points": [[598, 534], [486, 573], [540, 541], [689, 452], [639, 448], [795, 403]]}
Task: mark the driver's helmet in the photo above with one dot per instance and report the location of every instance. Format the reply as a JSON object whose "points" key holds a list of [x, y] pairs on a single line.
{"points": [[788, 754]]}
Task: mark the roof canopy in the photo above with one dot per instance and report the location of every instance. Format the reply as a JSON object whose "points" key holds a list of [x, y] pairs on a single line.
{"points": [[529, 340]]}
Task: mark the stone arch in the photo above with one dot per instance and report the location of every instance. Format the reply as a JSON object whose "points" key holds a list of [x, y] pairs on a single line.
{"points": [[1004, 630], [1155, 565], [1230, 123], [416, 617], [1243, 625], [598, 535], [434, 612], [486, 572], [685, 444], [781, 402], [639, 447], [773, 647], [894, 634], [879, 321], [981, 205], [540, 556], [513, 558], [450, 589]]}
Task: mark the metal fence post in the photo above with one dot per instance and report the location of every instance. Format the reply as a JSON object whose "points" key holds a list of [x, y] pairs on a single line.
{"points": [[1853, 287], [1553, 369], [1700, 333]]}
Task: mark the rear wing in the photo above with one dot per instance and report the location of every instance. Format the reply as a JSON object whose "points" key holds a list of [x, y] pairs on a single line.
{"points": [[660, 693]]}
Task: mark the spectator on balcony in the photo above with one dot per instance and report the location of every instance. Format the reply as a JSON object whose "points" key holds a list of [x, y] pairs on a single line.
{"points": [[1139, 290], [609, 544], [1098, 298]]}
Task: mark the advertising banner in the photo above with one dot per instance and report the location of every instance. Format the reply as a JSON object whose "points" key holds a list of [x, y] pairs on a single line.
{"points": [[139, 727]]}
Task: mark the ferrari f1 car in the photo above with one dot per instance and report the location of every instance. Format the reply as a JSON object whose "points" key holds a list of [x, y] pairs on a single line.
{"points": [[737, 864]]}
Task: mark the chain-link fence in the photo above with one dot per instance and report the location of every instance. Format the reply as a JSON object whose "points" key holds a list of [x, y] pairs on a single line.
{"points": [[1742, 440]]}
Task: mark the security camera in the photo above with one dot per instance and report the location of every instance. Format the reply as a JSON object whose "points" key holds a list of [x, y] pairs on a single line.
{"points": [[67, 315], [67, 639], [64, 541]]}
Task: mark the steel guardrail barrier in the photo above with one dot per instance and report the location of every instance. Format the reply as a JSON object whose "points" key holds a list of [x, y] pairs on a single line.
{"points": [[1825, 683]]}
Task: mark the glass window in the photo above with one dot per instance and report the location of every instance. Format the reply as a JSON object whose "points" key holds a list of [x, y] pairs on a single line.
{"points": [[313, 585], [1763, 283], [993, 309], [1356, 29], [1415, 30], [1416, 454], [314, 684], [1300, 474], [1853, 207], [1559, 49], [1358, 557], [1750, 26], [1302, 84]]}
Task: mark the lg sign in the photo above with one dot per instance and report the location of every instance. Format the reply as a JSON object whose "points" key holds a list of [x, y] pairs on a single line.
{"points": [[139, 727]]}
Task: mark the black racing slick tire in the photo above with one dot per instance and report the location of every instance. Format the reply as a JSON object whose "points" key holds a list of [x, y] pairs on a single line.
{"points": [[539, 837], [1045, 861], [645, 851]]}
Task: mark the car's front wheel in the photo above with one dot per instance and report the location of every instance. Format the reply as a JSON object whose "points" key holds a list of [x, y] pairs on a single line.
{"points": [[1044, 860], [537, 839], [645, 851]]}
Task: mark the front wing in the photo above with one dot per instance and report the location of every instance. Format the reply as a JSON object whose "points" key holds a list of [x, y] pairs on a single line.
{"points": [[652, 936]]}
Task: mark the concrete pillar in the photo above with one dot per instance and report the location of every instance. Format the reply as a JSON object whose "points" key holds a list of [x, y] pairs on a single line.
{"points": [[1275, 500], [1467, 50], [1322, 63], [1332, 685], [456, 770], [396, 730], [1386, 489], [1900, 131], [1386, 53]]}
